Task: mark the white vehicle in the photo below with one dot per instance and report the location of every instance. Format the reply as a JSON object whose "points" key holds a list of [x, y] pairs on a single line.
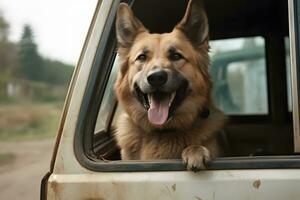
{"points": [[252, 86]]}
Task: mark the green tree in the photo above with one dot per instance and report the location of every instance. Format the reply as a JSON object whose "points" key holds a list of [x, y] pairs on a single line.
{"points": [[57, 73], [3, 28], [8, 57], [31, 63]]}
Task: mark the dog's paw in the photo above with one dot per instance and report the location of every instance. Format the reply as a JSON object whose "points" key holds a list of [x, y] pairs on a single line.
{"points": [[195, 157]]}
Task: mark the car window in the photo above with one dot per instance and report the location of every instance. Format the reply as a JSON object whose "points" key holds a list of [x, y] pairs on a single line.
{"points": [[108, 101], [239, 75]]}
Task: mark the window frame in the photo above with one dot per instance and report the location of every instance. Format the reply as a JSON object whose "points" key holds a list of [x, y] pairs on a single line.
{"points": [[294, 19], [105, 54], [84, 134]]}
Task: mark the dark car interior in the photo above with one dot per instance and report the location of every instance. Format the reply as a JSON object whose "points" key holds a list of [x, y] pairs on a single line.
{"points": [[246, 135]]}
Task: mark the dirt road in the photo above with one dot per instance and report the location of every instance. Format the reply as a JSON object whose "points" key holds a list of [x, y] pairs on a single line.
{"points": [[20, 178]]}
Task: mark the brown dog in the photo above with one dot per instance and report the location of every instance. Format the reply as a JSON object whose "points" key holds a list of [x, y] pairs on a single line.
{"points": [[165, 90]]}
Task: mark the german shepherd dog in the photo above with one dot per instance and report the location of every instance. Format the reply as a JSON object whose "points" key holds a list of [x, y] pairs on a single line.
{"points": [[165, 90]]}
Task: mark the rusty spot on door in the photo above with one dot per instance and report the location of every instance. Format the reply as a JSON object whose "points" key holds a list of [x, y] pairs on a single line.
{"points": [[256, 184], [174, 187]]}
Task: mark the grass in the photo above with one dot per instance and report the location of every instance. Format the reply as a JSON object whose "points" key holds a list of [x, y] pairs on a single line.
{"points": [[25, 121]]}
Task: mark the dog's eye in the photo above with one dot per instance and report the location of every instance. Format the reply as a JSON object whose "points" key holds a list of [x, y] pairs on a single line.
{"points": [[175, 56], [142, 57]]}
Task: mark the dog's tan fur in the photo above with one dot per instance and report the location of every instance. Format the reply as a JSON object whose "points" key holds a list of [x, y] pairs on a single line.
{"points": [[191, 138]]}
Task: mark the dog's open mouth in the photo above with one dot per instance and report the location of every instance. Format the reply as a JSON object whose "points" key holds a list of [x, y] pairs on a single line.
{"points": [[161, 105]]}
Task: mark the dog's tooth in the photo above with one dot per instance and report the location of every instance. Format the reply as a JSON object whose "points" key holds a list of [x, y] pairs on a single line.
{"points": [[149, 98], [172, 98]]}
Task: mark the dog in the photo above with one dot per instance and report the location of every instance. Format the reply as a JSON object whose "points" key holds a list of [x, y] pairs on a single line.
{"points": [[164, 88]]}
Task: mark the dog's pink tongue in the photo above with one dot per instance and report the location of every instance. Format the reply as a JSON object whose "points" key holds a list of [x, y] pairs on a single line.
{"points": [[159, 110]]}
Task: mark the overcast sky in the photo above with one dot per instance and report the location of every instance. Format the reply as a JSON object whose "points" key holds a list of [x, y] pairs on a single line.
{"points": [[59, 26]]}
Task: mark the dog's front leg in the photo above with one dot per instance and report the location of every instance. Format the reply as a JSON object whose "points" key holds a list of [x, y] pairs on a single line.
{"points": [[195, 157], [126, 154]]}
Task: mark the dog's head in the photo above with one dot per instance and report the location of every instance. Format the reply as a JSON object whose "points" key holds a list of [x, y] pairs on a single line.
{"points": [[163, 80]]}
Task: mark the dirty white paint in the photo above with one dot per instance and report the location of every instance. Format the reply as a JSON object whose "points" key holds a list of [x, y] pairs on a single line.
{"points": [[205, 185], [65, 161]]}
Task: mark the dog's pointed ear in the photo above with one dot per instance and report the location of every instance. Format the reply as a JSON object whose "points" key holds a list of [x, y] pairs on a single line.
{"points": [[127, 26], [194, 24]]}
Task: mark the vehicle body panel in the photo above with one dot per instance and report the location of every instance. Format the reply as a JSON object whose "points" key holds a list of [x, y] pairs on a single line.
{"points": [[65, 160], [206, 185], [70, 180]]}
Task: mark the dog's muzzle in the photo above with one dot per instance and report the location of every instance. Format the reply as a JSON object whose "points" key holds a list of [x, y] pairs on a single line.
{"points": [[160, 94]]}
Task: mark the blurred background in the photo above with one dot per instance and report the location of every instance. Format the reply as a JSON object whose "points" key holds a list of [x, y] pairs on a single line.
{"points": [[40, 43]]}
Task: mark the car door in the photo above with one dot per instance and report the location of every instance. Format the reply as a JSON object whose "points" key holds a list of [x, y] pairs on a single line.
{"points": [[86, 162]]}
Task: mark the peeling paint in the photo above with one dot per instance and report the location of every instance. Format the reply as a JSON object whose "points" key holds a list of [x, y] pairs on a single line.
{"points": [[174, 187], [167, 190], [56, 189], [198, 198], [256, 184]]}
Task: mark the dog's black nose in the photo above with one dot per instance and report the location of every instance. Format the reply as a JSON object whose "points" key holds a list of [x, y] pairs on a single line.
{"points": [[157, 78]]}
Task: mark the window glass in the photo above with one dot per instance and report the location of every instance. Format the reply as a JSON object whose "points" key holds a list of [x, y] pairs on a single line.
{"points": [[238, 71], [108, 101], [239, 75], [288, 72]]}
